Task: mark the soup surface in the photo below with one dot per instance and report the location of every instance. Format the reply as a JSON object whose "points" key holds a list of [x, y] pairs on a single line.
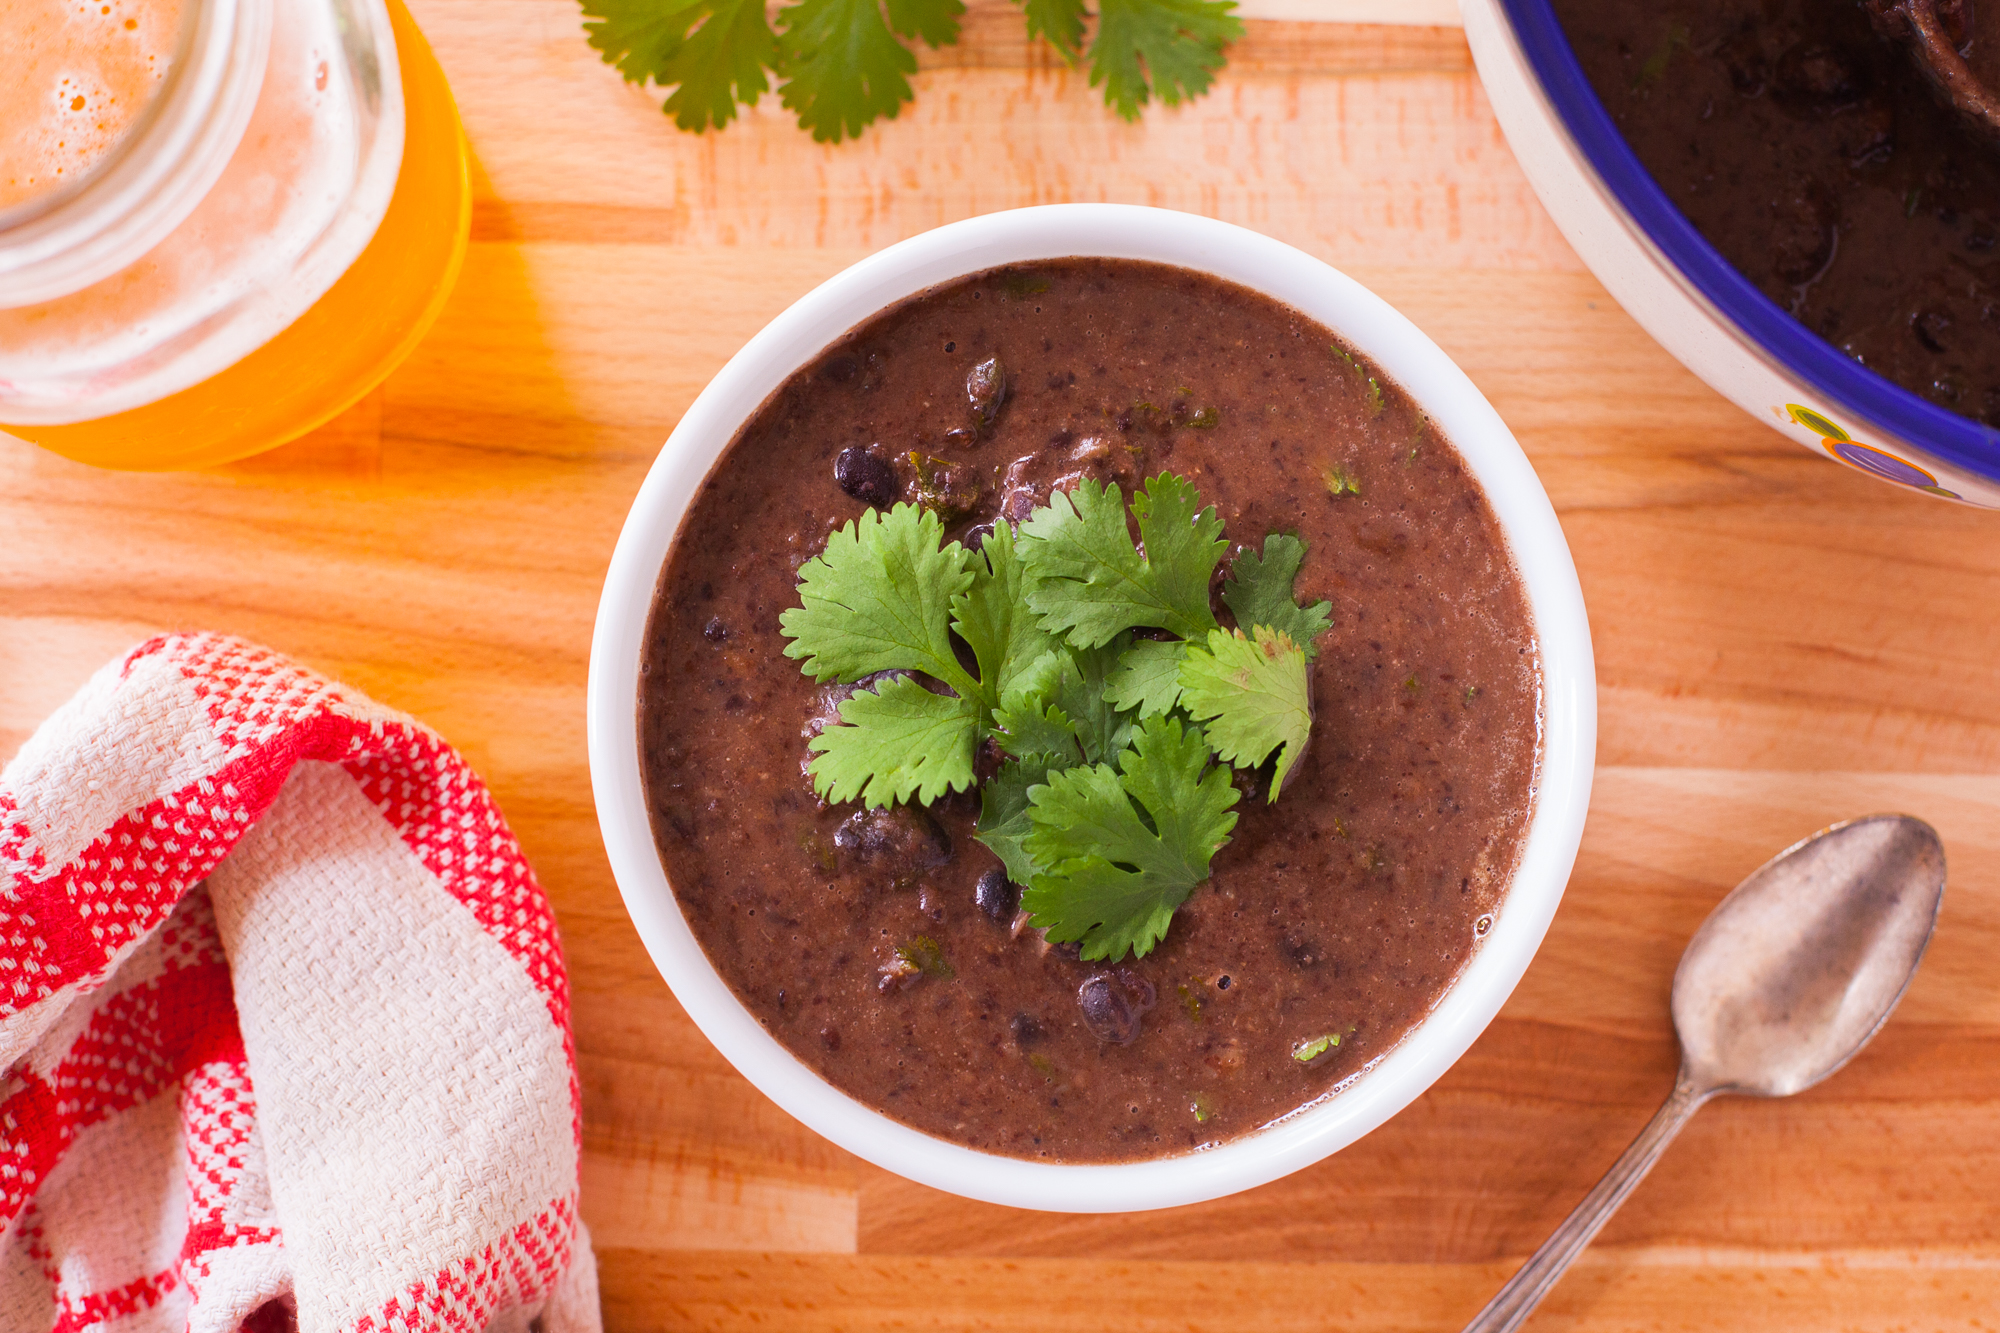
{"points": [[1810, 152], [1343, 910]]}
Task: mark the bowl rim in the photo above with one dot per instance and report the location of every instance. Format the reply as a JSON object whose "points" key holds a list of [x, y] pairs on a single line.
{"points": [[1798, 351], [1533, 535]]}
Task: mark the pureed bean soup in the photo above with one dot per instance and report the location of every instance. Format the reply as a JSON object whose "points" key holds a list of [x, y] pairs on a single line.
{"points": [[1343, 910]]}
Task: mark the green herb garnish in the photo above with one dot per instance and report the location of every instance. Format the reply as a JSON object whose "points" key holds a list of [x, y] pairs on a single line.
{"points": [[1116, 792], [1308, 1051], [925, 955], [1339, 481], [1089, 582], [1259, 592], [1107, 880], [844, 64], [1373, 386], [1253, 696]]}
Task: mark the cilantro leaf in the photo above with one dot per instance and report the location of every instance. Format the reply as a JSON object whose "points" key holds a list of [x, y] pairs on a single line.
{"points": [[1168, 49], [1147, 679], [1059, 708], [879, 598], [901, 740], [1079, 690], [1036, 731], [1254, 695], [711, 67], [1259, 592], [1060, 21], [1106, 878], [1003, 814], [935, 21], [845, 67], [1089, 581], [991, 615]]}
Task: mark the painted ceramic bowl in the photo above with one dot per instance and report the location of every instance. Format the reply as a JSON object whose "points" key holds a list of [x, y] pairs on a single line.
{"points": [[1684, 293], [1490, 453]]}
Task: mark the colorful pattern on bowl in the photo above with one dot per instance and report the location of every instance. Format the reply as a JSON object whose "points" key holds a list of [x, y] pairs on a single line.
{"points": [[1866, 457]]}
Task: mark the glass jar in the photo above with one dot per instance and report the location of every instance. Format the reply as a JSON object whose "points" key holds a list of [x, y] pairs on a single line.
{"points": [[206, 262]]}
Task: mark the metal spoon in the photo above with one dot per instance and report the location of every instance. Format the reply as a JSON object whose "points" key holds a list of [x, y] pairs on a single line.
{"points": [[1791, 974], [1948, 44]]}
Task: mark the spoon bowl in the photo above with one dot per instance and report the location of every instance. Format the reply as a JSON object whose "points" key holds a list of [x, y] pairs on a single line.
{"points": [[1796, 969]]}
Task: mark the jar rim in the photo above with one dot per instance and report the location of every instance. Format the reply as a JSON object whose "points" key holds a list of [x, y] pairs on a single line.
{"points": [[157, 173]]}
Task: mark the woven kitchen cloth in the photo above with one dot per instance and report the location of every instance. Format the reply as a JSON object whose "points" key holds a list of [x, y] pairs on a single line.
{"points": [[283, 1017]]}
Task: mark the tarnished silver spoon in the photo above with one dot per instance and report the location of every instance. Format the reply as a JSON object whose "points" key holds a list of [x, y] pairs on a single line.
{"points": [[1954, 50], [1791, 974]]}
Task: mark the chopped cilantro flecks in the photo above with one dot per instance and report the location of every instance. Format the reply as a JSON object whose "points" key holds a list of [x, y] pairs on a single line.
{"points": [[1372, 385], [1340, 480], [926, 956], [1313, 1048], [844, 64], [1115, 791]]}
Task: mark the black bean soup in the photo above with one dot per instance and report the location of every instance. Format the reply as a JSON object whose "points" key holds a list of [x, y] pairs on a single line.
{"points": [[1347, 908], [1811, 153]]}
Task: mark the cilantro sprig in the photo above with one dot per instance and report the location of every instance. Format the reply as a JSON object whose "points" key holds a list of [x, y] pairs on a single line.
{"points": [[1095, 664], [840, 65]]}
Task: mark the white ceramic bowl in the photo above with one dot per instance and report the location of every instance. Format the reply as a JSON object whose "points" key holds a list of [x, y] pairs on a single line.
{"points": [[1536, 541], [1682, 291]]}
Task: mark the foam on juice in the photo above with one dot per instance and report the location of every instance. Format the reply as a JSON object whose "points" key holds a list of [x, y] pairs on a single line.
{"points": [[79, 74], [300, 198]]}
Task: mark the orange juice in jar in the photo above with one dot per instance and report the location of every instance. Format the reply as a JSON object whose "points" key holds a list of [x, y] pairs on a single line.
{"points": [[221, 221]]}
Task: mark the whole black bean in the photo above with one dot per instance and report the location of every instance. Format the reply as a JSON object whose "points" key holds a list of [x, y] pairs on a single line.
{"points": [[867, 477], [715, 631], [985, 390], [897, 842], [1107, 1010], [975, 539], [996, 895]]}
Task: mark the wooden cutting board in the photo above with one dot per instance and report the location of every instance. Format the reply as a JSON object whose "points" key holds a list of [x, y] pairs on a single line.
{"points": [[1780, 643]]}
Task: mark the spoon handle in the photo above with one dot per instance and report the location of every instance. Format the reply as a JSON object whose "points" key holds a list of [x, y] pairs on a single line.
{"points": [[1524, 1291]]}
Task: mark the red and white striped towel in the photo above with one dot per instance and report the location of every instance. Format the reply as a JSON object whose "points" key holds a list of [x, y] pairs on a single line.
{"points": [[283, 1020]]}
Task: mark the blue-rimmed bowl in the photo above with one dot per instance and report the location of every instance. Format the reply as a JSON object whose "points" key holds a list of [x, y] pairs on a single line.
{"points": [[1683, 292]]}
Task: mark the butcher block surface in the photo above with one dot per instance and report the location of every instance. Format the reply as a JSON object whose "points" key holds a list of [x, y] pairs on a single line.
{"points": [[1780, 643]]}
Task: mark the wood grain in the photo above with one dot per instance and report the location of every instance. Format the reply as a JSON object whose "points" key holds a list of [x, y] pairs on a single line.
{"points": [[1780, 642]]}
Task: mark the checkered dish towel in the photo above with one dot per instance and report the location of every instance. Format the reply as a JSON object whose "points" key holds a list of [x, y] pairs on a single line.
{"points": [[283, 1020]]}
